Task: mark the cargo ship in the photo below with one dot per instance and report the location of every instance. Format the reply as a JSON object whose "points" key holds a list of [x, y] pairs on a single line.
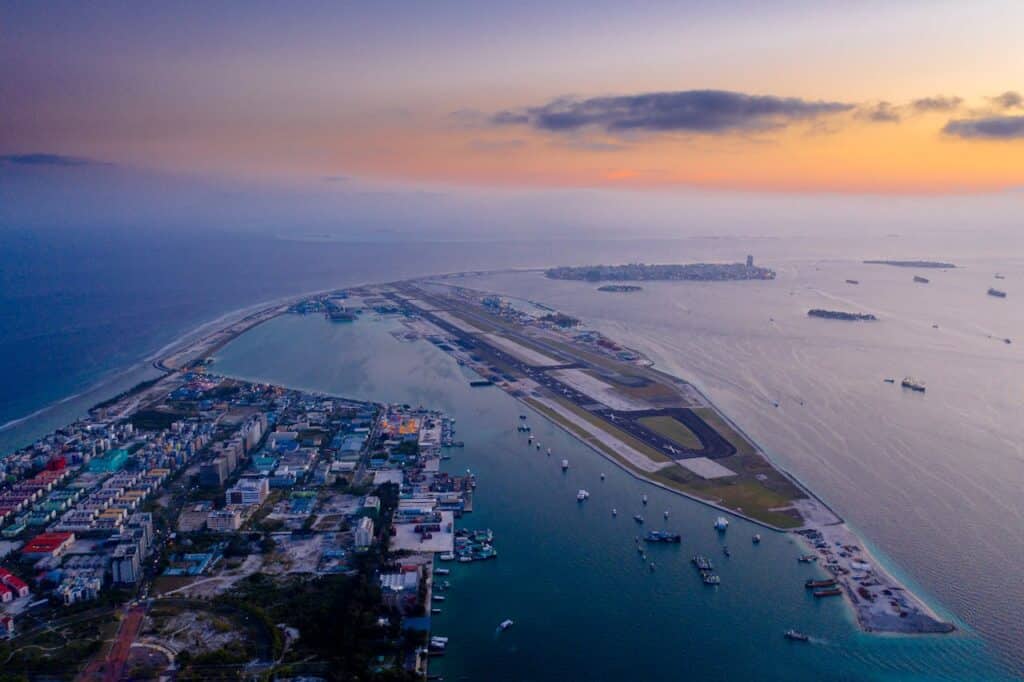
{"points": [[996, 293], [812, 583], [913, 384]]}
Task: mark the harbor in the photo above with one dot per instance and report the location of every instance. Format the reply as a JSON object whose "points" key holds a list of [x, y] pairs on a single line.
{"points": [[570, 572]]}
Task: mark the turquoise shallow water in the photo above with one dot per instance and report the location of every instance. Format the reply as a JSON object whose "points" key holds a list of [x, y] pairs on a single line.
{"points": [[586, 607]]}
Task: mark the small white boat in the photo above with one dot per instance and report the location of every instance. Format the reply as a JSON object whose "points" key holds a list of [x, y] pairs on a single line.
{"points": [[549, 451], [666, 513], [582, 495], [602, 477], [615, 512], [644, 500], [565, 464], [441, 571], [721, 524], [506, 624], [447, 556], [757, 538]]}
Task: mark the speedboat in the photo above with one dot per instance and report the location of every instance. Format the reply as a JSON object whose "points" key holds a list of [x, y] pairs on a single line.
{"points": [[638, 518], [644, 499], [447, 556], [615, 512], [506, 624], [721, 524]]}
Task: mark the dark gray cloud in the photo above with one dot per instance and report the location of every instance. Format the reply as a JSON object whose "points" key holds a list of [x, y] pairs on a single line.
{"points": [[1008, 100], [989, 128], [696, 111], [882, 112], [937, 103], [42, 159]]}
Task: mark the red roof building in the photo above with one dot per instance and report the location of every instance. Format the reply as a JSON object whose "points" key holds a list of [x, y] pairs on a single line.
{"points": [[48, 544], [5, 594]]}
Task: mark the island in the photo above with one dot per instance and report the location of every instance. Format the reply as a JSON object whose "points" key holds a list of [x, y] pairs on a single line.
{"points": [[937, 265], [207, 524], [690, 272], [620, 288], [840, 315]]}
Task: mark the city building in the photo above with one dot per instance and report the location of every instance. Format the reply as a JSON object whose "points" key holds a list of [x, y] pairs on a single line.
{"points": [[125, 564], [223, 520], [248, 491], [48, 545], [364, 532]]}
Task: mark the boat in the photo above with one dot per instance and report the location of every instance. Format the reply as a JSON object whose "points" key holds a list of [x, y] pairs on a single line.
{"points": [[465, 559], [582, 495], [441, 571], [811, 583], [889, 381], [644, 499], [638, 518], [447, 556], [549, 452], [796, 636], [702, 562], [913, 384], [615, 512], [830, 592], [807, 558], [920, 280], [997, 293], [662, 536], [435, 611], [538, 447], [852, 281], [998, 276], [438, 597], [757, 538], [602, 477], [565, 464], [652, 565], [721, 524], [522, 416], [725, 551], [506, 624], [666, 513], [711, 579]]}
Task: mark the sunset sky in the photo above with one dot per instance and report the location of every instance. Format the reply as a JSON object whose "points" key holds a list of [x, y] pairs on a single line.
{"points": [[807, 97]]}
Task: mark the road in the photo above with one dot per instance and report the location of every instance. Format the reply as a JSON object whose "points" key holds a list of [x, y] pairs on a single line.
{"points": [[112, 667]]}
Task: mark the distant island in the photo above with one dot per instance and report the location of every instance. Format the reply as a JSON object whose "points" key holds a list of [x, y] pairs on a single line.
{"points": [[938, 265], [840, 315], [695, 272], [620, 287]]}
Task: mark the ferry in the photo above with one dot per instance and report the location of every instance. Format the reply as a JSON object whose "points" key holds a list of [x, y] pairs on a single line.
{"points": [[721, 524], [565, 464], [506, 624], [913, 384], [582, 495], [796, 636]]}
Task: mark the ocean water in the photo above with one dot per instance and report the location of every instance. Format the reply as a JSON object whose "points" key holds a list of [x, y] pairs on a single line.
{"points": [[932, 481], [585, 605]]}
